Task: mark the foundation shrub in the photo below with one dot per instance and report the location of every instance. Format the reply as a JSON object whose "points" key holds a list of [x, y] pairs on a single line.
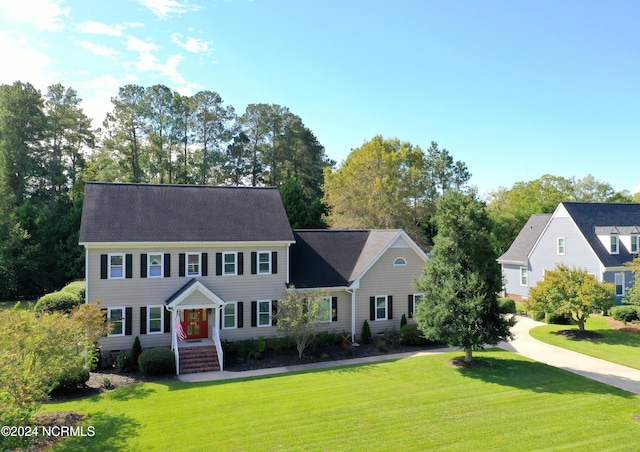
{"points": [[157, 361]]}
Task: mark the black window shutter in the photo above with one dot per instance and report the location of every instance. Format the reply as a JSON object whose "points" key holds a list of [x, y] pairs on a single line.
{"points": [[205, 264], [143, 320], [372, 308], [274, 262], [410, 306], [128, 320], [221, 318], [274, 311], [143, 265], [240, 263], [389, 307], [254, 266], [167, 321], [103, 266], [129, 266], [105, 314], [334, 309], [181, 264], [254, 313], [218, 264], [167, 266], [240, 314]]}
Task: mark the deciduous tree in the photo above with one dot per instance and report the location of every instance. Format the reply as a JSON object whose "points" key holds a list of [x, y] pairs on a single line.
{"points": [[572, 292]]}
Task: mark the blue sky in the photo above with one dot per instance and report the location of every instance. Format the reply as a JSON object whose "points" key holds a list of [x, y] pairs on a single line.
{"points": [[515, 89]]}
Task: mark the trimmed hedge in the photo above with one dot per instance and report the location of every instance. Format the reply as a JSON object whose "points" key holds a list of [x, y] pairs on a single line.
{"points": [[626, 313], [411, 335], [157, 361], [77, 287], [365, 336], [58, 301], [556, 319], [506, 305]]}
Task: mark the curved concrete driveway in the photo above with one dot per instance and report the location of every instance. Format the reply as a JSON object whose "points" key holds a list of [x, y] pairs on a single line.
{"points": [[597, 369]]}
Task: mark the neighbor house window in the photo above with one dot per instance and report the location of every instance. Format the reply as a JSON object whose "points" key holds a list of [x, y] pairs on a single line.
{"points": [[229, 315], [324, 309], [116, 317], [634, 244], [193, 264], [561, 246], [155, 319], [154, 265], [381, 307], [619, 282], [228, 263], [264, 312], [400, 261], [614, 244], [524, 279], [116, 266], [264, 262]]}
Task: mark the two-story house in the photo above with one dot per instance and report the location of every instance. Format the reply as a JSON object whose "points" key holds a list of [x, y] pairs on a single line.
{"points": [[188, 266], [599, 237]]}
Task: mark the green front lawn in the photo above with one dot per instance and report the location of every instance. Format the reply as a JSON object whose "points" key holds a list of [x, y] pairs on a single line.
{"points": [[616, 346], [411, 404]]}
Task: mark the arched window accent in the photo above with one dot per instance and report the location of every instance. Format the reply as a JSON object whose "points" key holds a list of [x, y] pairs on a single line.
{"points": [[399, 261]]}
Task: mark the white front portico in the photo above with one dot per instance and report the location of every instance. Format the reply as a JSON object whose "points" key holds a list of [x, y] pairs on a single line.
{"points": [[195, 322]]}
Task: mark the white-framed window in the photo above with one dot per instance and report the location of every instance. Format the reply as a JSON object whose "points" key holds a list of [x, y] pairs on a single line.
{"points": [[381, 307], [561, 246], [264, 312], [155, 319], [324, 308], [417, 298], [155, 265], [193, 264], [264, 262], [229, 317], [399, 261], [116, 266], [613, 248], [524, 276], [116, 317], [635, 242], [619, 283], [229, 266]]}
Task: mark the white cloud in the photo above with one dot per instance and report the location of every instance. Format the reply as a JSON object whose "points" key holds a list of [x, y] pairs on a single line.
{"points": [[170, 69], [43, 14], [138, 45], [23, 61], [189, 88], [164, 8], [636, 189], [191, 44], [98, 49], [96, 96], [98, 28]]}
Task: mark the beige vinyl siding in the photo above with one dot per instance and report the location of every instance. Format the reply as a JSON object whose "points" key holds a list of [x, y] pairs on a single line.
{"points": [[137, 291], [383, 278]]}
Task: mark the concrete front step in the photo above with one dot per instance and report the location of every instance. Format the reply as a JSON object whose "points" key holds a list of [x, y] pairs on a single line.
{"points": [[199, 359]]}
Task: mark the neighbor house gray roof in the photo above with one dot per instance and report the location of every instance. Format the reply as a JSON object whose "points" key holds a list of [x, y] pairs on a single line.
{"points": [[527, 237], [605, 219], [115, 213], [335, 258]]}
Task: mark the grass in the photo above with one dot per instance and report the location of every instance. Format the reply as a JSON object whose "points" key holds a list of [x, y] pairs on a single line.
{"points": [[411, 404], [615, 346], [10, 304]]}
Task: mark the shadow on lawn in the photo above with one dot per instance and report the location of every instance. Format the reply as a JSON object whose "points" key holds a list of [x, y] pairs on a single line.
{"points": [[613, 337], [111, 434], [536, 377]]}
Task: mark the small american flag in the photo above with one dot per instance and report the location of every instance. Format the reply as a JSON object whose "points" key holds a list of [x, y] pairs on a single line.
{"points": [[181, 334]]}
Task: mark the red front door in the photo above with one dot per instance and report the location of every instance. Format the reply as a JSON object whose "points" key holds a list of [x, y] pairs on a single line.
{"points": [[195, 323]]}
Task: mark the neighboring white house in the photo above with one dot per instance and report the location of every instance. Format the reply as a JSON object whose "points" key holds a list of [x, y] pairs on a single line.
{"points": [[213, 261], [599, 237]]}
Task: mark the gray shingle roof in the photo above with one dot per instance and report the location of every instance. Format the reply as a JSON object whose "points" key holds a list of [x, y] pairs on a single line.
{"points": [[594, 218], [335, 258], [527, 237], [182, 213]]}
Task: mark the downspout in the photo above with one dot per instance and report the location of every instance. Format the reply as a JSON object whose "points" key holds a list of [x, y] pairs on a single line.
{"points": [[86, 275], [353, 313]]}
